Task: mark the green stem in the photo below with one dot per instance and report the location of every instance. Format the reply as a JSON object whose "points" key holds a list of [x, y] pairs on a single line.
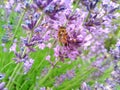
{"points": [[19, 23], [76, 5], [49, 72], [39, 20], [87, 17], [15, 76], [15, 70], [6, 66], [38, 65], [32, 86], [23, 85], [77, 80], [44, 79]]}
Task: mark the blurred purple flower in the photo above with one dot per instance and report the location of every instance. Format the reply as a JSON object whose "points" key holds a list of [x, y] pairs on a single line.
{"points": [[70, 74], [44, 72], [42, 88], [2, 85], [48, 58], [13, 48], [84, 86], [41, 46], [59, 80], [18, 7], [49, 45], [27, 65], [1, 76]]}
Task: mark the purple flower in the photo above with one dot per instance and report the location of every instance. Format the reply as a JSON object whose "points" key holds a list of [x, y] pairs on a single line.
{"points": [[73, 54], [57, 51], [48, 57], [49, 45], [99, 86], [2, 76], [27, 65], [18, 7], [41, 46], [20, 57], [42, 4], [44, 72], [84, 86], [60, 79], [13, 47], [70, 74], [2, 85], [42, 88], [11, 2]]}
